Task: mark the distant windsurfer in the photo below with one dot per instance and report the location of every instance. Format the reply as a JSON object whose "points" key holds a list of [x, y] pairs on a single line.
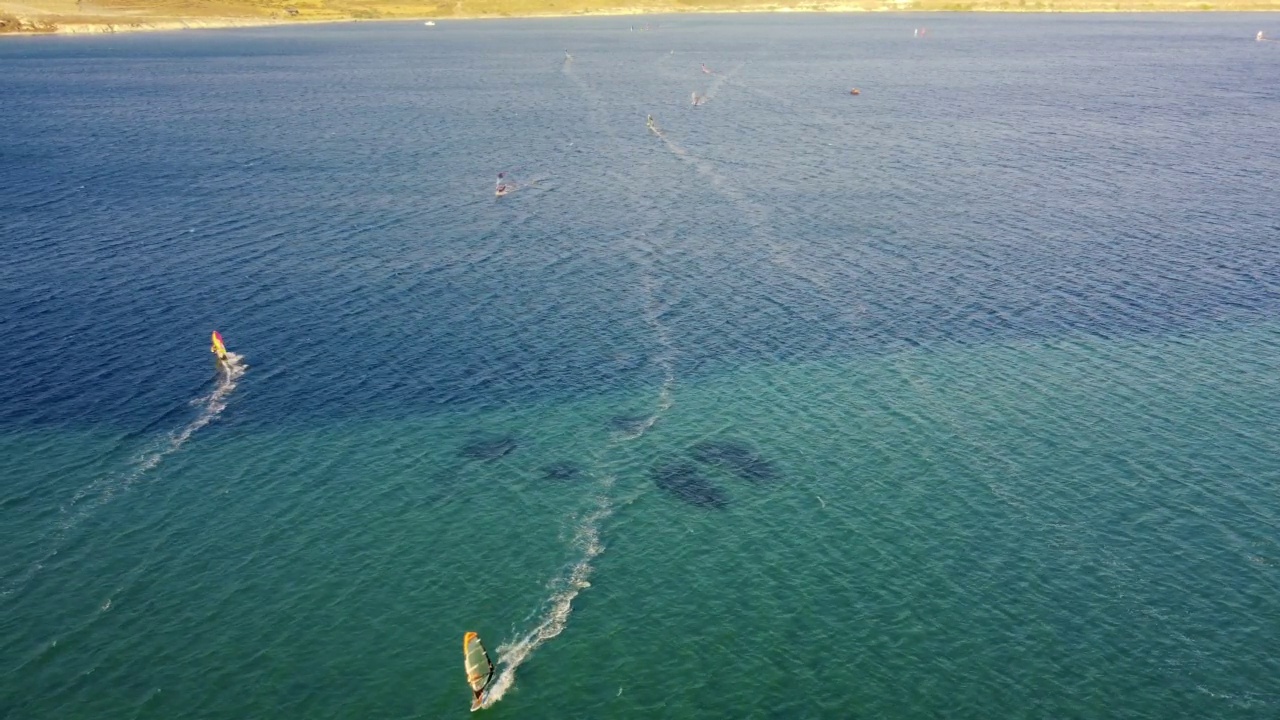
{"points": [[1261, 36], [217, 348], [567, 56], [706, 70], [649, 123]]}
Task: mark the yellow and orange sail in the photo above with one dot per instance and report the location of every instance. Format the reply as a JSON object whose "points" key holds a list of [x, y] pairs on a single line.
{"points": [[218, 348], [479, 667]]}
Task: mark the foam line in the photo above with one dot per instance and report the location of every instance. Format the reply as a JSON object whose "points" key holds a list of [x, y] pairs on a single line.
{"points": [[211, 406], [567, 587], [101, 491], [513, 654]]}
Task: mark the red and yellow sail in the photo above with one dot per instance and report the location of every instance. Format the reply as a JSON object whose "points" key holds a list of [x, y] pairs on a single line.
{"points": [[218, 348]]}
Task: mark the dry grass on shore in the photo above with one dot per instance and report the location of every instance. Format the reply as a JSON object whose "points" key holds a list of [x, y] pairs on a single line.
{"points": [[124, 15]]}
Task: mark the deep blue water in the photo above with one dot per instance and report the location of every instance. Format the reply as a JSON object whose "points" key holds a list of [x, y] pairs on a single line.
{"points": [[1006, 320], [1010, 177]]}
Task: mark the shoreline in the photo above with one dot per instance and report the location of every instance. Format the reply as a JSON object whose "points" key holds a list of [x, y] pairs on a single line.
{"points": [[48, 26]]}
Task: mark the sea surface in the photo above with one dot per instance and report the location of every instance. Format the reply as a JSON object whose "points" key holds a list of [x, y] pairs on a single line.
{"points": [[959, 398]]}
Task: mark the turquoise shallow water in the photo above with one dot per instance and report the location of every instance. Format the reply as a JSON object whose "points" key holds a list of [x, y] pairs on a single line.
{"points": [[957, 402], [1018, 529]]}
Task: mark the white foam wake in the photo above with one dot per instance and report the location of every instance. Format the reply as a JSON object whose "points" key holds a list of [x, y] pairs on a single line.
{"points": [[552, 622], [666, 361], [101, 491], [718, 79], [211, 406], [512, 655], [567, 587]]}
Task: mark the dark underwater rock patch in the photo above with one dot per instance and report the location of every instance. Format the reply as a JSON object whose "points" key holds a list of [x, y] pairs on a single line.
{"points": [[629, 423], [737, 457], [561, 471], [489, 448], [684, 481]]}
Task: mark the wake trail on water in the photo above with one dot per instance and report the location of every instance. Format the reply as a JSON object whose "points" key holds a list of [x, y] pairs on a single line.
{"points": [[566, 587], [755, 213], [642, 251], [559, 606], [587, 536], [642, 255], [100, 492], [665, 358], [719, 79], [210, 407], [779, 253]]}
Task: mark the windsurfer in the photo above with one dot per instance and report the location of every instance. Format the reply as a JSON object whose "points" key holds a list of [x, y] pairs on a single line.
{"points": [[479, 668], [217, 348]]}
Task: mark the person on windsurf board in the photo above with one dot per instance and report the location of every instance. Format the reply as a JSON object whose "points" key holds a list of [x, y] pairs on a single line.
{"points": [[478, 666], [507, 184], [217, 348]]}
